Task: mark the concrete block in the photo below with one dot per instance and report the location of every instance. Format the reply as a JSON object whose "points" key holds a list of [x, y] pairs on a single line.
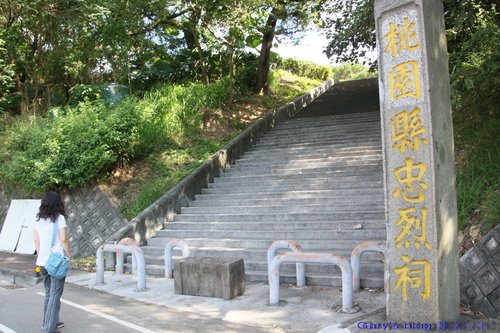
{"points": [[494, 299], [210, 277], [470, 294], [487, 279], [491, 242], [473, 260], [484, 306]]}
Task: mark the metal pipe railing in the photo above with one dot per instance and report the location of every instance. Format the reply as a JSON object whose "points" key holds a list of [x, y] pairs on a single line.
{"points": [[121, 248], [356, 259], [168, 255], [321, 258], [295, 247], [120, 258]]}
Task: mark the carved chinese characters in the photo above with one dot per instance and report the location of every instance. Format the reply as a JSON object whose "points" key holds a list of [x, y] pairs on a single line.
{"points": [[402, 50], [421, 259]]}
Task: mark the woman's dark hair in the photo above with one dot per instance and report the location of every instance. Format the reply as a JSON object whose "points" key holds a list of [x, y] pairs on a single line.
{"points": [[51, 207]]}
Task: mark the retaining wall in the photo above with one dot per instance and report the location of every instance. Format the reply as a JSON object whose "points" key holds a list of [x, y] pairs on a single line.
{"points": [[93, 216], [480, 275]]}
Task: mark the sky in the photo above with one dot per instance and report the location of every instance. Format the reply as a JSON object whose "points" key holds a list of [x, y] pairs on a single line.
{"points": [[310, 48]]}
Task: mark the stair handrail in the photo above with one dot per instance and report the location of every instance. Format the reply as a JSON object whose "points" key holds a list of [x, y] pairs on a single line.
{"points": [[295, 247], [356, 259], [169, 248]]}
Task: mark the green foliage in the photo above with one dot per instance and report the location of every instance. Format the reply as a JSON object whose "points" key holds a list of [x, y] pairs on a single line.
{"points": [[352, 71], [286, 86], [303, 68], [84, 93], [169, 167], [350, 30], [474, 45], [69, 150], [7, 73], [170, 113]]}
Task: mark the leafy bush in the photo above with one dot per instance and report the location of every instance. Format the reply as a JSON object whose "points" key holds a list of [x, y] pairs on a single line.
{"points": [[84, 93], [302, 68], [69, 150], [352, 71], [475, 82]]}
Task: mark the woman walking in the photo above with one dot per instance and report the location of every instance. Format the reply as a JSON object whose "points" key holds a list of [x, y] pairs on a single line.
{"points": [[52, 213]]}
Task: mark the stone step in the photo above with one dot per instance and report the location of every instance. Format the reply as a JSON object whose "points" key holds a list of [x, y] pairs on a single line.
{"points": [[327, 201], [298, 168], [252, 255], [371, 262], [271, 217], [320, 122], [332, 130], [287, 158], [303, 209], [239, 171], [220, 188], [328, 146], [296, 142], [297, 179], [332, 163], [317, 153], [291, 176], [298, 194], [244, 238], [285, 278], [276, 226]]}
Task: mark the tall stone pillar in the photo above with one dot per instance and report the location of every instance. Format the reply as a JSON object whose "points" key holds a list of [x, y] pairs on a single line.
{"points": [[422, 249]]}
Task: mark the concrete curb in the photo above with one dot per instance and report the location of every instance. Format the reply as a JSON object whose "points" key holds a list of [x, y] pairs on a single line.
{"points": [[20, 278]]}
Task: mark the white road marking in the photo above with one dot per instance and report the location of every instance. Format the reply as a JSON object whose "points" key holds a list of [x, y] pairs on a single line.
{"points": [[5, 329], [103, 315]]}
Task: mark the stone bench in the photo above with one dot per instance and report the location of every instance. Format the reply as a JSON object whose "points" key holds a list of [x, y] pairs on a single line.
{"points": [[210, 277]]}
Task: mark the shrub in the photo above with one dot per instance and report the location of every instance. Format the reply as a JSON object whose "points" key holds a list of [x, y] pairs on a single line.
{"points": [[302, 68], [68, 150], [352, 71]]}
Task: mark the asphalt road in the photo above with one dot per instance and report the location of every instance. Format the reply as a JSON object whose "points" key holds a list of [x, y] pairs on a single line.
{"points": [[85, 310]]}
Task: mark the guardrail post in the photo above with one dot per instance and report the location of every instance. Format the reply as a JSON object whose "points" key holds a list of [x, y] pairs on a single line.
{"points": [[341, 261], [356, 260], [138, 257], [295, 247], [120, 258], [168, 255], [99, 280]]}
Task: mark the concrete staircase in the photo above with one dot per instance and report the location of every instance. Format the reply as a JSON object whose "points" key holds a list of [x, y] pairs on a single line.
{"points": [[316, 179]]}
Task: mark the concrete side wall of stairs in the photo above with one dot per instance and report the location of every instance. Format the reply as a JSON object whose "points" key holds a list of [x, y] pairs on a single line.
{"points": [[316, 179]]}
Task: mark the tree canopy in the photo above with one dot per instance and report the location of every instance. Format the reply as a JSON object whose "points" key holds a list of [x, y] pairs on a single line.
{"points": [[49, 46]]}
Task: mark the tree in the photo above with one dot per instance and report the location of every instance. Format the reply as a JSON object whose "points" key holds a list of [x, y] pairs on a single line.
{"points": [[351, 30], [53, 44], [284, 18]]}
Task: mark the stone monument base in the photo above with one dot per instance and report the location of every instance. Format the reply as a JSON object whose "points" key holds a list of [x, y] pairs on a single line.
{"points": [[210, 277]]}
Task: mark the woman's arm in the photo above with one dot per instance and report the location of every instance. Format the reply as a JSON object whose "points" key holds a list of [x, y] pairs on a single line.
{"points": [[63, 236], [37, 241]]}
